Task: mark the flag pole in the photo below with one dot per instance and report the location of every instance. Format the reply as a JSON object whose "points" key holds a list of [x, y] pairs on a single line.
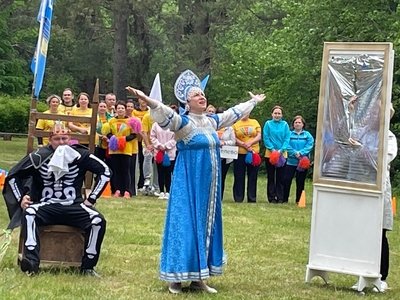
{"points": [[33, 106], [42, 10], [5, 236]]}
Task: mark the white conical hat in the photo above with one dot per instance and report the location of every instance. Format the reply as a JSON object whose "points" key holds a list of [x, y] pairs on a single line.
{"points": [[155, 92]]}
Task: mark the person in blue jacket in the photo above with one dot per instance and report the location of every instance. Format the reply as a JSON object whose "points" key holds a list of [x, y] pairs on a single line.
{"points": [[276, 134], [301, 143]]}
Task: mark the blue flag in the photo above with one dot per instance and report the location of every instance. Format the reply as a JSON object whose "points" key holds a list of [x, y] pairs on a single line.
{"points": [[38, 64], [204, 83]]}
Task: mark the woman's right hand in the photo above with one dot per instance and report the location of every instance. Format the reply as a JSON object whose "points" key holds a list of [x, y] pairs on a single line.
{"points": [[135, 92], [138, 93]]}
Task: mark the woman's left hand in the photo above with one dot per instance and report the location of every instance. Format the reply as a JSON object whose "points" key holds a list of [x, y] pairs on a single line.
{"points": [[258, 97]]}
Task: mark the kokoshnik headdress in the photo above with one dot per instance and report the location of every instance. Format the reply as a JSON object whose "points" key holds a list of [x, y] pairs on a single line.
{"points": [[184, 84]]}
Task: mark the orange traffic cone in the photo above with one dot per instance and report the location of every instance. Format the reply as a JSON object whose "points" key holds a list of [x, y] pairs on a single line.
{"points": [[107, 191], [302, 201], [2, 179], [394, 206]]}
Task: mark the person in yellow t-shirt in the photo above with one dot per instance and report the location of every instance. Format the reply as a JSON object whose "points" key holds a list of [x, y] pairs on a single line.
{"points": [[82, 109], [139, 113], [248, 135], [67, 101], [53, 101], [101, 140], [130, 107], [120, 153], [135, 152], [110, 100], [141, 110]]}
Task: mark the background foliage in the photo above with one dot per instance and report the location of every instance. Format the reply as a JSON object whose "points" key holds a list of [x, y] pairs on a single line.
{"points": [[273, 46]]}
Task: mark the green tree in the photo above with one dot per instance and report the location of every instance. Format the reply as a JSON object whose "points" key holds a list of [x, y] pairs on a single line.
{"points": [[13, 78]]}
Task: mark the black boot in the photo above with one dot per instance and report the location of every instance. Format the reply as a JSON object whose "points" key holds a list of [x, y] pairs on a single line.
{"points": [[29, 267]]}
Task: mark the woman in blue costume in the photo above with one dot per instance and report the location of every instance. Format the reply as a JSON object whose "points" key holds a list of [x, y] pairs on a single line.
{"points": [[192, 246]]}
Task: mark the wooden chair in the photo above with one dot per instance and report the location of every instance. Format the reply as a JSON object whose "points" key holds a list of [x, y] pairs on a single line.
{"points": [[89, 139], [60, 244]]}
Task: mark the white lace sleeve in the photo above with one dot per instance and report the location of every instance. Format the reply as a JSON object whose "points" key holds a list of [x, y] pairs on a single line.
{"points": [[235, 113], [166, 117]]}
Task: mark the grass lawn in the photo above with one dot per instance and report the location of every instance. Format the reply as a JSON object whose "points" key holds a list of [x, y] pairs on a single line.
{"points": [[266, 245]]}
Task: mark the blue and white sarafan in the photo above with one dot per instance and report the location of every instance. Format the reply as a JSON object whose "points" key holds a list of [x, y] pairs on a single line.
{"points": [[184, 83]]}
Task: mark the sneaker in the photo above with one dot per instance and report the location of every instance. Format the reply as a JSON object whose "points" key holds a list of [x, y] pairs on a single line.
{"points": [[166, 197], [146, 182], [142, 190], [127, 195], [201, 286], [117, 193], [175, 288], [90, 272], [161, 195], [29, 267], [382, 288], [157, 194]]}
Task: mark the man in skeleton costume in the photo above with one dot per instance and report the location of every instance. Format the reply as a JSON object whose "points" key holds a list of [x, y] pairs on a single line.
{"points": [[47, 185]]}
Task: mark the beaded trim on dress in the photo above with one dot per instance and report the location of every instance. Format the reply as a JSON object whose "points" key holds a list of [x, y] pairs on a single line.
{"points": [[199, 124]]}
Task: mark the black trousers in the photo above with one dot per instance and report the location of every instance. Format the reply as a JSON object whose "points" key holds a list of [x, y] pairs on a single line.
{"points": [[275, 182], [100, 153], [224, 171], [384, 256], [164, 176], [132, 177], [77, 215], [121, 179], [141, 159], [240, 168], [289, 173]]}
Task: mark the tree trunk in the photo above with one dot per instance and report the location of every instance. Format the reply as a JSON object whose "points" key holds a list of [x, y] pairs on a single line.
{"points": [[202, 28], [120, 12], [194, 32], [142, 42]]}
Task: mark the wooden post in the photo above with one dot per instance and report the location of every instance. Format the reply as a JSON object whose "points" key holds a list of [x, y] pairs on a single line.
{"points": [[93, 123], [31, 125], [92, 137]]}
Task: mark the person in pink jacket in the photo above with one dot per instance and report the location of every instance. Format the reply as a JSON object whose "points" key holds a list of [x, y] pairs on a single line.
{"points": [[163, 141]]}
